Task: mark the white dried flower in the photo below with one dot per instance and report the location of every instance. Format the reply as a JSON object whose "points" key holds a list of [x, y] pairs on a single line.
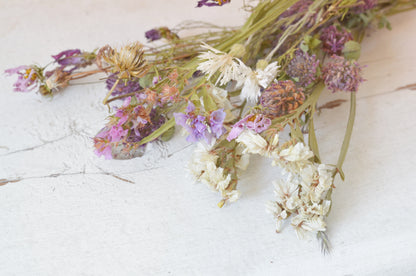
{"points": [[230, 68], [200, 158], [286, 193], [233, 195], [255, 79], [278, 213], [253, 142], [298, 152], [307, 225], [214, 177]]}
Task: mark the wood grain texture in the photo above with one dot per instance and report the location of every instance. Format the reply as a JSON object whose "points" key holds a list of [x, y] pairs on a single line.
{"points": [[71, 213]]}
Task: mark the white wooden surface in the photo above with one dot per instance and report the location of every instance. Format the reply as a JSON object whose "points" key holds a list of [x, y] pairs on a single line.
{"points": [[70, 214]]}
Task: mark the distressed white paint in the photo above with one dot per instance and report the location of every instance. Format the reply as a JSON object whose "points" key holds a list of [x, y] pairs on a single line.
{"points": [[70, 215]]}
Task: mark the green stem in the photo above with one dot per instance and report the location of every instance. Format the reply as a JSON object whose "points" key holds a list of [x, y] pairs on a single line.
{"points": [[347, 136]]}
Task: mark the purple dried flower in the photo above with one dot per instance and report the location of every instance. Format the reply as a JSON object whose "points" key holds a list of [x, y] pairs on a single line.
{"points": [[216, 122], [340, 74], [197, 125], [153, 34], [28, 77], [333, 39], [124, 86], [259, 124], [69, 57], [102, 144], [117, 132], [256, 122], [302, 68], [143, 128], [365, 6], [211, 3]]}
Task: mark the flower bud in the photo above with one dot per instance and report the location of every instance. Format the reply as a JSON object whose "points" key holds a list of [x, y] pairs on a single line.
{"points": [[238, 50]]}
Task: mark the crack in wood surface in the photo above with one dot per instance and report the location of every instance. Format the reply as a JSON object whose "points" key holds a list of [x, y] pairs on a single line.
{"points": [[5, 181], [38, 146]]}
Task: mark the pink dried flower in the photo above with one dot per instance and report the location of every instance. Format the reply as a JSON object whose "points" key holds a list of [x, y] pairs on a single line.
{"points": [[340, 74], [28, 77], [333, 39]]}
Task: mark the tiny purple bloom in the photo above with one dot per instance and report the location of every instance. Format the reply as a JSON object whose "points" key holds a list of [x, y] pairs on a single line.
{"points": [[153, 34], [216, 122], [211, 3]]}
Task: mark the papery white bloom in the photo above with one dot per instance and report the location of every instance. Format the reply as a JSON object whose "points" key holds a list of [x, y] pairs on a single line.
{"points": [[298, 152], [230, 68], [233, 195], [253, 142], [243, 163], [307, 225], [286, 193], [255, 79], [280, 214], [215, 178], [200, 158]]}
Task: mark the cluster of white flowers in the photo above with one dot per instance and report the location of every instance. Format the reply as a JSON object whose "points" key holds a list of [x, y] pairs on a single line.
{"points": [[203, 167], [302, 194], [232, 68]]}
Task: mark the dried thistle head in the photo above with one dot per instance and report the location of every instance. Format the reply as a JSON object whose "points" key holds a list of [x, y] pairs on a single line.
{"points": [[127, 62]]}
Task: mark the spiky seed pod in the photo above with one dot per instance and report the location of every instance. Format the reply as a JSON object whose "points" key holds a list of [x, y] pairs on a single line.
{"points": [[281, 98], [127, 62]]}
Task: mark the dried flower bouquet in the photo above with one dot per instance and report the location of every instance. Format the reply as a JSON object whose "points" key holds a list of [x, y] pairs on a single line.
{"points": [[234, 91]]}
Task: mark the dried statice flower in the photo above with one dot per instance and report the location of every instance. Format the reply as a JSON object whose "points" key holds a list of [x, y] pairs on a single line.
{"points": [[124, 86], [255, 122], [256, 144], [128, 126], [340, 74], [28, 77], [199, 126], [153, 34], [211, 3], [126, 62], [55, 81], [281, 98], [75, 58], [204, 168], [68, 57], [302, 68], [333, 39], [365, 6], [302, 194]]}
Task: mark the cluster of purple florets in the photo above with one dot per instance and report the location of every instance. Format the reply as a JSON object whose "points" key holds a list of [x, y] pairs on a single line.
{"points": [[199, 126]]}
